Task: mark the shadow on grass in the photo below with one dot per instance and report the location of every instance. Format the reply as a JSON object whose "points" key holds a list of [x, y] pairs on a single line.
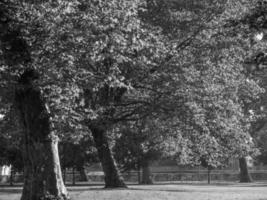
{"points": [[132, 189], [253, 184], [160, 190], [10, 190], [82, 187], [230, 184]]}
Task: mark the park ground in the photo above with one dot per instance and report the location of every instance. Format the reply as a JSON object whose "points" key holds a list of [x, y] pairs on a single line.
{"points": [[236, 191]]}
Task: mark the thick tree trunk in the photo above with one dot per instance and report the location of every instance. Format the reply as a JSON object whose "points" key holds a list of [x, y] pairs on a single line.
{"points": [[83, 175], [113, 179], [244, 175], [42, 172], [146, 173]]}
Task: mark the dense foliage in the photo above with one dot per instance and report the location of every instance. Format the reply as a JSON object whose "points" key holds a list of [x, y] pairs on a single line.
{"points": [[77, 154], [112, 61], [140, 143]]}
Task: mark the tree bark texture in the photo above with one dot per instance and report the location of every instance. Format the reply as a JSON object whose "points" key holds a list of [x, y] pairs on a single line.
{"points": [[146, 173], [73, 176], [113, 179], [139, 173], [209, 175], [42, 172], [244, 175], [11, 175]]}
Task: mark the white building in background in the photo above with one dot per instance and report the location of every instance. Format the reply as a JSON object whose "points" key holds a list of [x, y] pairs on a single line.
{"points": [[5, 170], [5, 173]]}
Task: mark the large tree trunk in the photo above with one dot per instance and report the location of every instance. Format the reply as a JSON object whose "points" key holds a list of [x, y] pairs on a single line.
{"points": [[42, 172], [146, 173], [113, 179], [244, 175]]}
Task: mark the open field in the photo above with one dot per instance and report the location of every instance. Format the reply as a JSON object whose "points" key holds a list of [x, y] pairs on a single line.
{"points": [[253, 191]]}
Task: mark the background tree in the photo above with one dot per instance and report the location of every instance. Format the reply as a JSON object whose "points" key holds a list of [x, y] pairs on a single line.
{"points": [[213, 76], [139, 145], [252, 25], [78, 154], [11, 144]]}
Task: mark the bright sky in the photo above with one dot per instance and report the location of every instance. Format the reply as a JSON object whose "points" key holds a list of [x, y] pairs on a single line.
{"points": [[258, 36]]}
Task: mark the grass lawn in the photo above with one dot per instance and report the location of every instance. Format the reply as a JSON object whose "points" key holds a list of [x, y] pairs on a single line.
{"points": [[253, 191]]}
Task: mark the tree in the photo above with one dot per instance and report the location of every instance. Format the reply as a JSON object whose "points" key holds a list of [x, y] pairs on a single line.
{"points": [[212, 116], [77, 153], [252, 24], [97, 81], [261, 140], [138, 145], [42, 172]]}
